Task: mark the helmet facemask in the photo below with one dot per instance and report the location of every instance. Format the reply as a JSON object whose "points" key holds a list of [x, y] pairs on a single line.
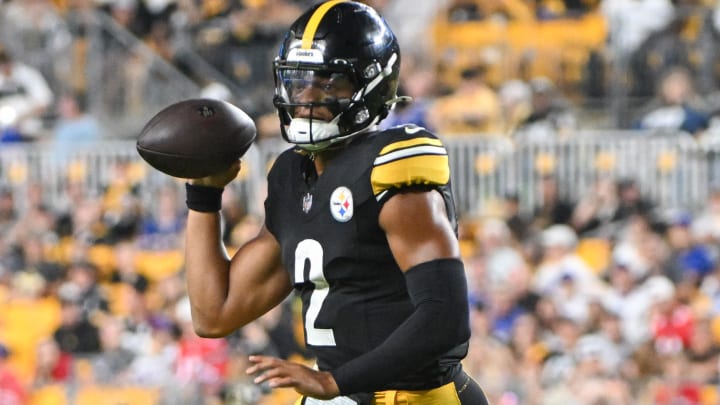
{"points": [[311, 102]]}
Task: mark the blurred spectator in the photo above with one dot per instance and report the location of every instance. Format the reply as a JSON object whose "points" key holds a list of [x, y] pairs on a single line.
{"points": [[464, 10], [610, 335], [489, 359], [12, 389], [550, 115], [515, 104], [75, 334], [73, 194], [8, 210], [703, 353], [52, 366], [33, 260], [674, 108], [549, 9], [82, 285], [87, 222], [417, 84], [473, 108], [560, 264], [632, 201], [121, 207], [671, 321], [410, 20], [675, 385], [689, 261], [24, 97], [163, 225], [475, 10], [503, 310], [504, 264], [594, 214], [518, 223], [155, 367], [74, 129], [201, 362], [706, 223], [631, 22], [553, 208], [112, 363], [639, 247], [36, 216], [126, 270]]}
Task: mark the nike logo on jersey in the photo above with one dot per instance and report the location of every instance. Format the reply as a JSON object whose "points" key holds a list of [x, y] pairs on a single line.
{"points": [[413, 129]]}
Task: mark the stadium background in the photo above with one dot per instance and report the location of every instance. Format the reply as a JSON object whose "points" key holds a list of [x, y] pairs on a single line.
{"points": [[584, 142]]}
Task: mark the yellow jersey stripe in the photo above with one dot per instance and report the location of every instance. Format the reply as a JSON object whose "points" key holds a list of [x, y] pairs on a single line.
{"points": [[410, 143], [409, 152], [314, 23], [411, 171]]}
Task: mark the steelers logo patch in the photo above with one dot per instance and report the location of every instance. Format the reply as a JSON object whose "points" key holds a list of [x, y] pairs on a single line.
{"points": [[341, 204]]}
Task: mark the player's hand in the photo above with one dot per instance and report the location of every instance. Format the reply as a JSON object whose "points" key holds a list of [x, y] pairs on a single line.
{"points": [[219, 180], [281, 373]]}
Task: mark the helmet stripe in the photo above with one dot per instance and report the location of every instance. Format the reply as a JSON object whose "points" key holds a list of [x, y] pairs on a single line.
{"points": [[314, 23]]}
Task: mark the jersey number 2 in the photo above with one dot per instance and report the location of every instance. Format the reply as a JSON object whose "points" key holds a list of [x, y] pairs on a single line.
{"points": [[312, 251]]}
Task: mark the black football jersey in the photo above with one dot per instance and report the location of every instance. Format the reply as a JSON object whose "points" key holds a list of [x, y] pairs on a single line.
{"points": [[353, 293]]}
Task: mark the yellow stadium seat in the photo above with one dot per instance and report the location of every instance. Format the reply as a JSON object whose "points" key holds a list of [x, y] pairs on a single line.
{"points": [[107, 395], [23, 323], [102, 256], [118, 295], [715, 328], [595, 252], [709, 395], [49, 395], [157, 265]]}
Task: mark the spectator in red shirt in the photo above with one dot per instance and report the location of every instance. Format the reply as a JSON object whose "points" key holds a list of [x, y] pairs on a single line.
{"points": [[12, 391], [671, 323]]}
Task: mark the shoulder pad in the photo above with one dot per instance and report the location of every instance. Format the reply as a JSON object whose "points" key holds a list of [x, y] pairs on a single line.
{"points": [[412, 157]]}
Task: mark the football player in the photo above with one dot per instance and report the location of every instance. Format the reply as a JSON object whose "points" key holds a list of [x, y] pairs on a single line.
{"points": [[360, 223]]}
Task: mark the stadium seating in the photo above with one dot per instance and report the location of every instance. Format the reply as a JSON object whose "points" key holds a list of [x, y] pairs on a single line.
{"points": [[112, 395]]}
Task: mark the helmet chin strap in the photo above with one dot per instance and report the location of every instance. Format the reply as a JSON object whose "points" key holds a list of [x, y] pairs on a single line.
{"points": [[322, 145], [312, 134]]}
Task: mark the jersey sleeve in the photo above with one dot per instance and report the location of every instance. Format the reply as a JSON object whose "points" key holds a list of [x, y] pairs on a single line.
{"points": [[419, 161]]}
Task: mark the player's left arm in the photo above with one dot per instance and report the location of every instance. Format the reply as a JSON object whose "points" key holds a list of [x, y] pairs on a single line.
{"points": [[426, 249]]}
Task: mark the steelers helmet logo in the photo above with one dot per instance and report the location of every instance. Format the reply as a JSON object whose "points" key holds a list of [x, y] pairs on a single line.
{"points": [[341, 204]]}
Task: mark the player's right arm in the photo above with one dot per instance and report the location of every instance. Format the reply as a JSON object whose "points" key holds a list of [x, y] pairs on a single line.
{"points": [[225, 293]]}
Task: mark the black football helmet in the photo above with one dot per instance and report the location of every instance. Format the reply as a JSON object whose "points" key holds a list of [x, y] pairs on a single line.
{"points": [[347, 52]]}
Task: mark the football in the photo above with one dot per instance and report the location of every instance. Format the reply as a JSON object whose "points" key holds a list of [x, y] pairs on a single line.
{"points": [[195, 138]]}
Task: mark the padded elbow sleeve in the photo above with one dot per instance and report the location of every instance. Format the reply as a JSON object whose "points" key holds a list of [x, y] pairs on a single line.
{"points": [[438, 290]]}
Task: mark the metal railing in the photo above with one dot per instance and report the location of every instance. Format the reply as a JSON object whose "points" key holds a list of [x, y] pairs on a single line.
{"points": [[672, 170]]}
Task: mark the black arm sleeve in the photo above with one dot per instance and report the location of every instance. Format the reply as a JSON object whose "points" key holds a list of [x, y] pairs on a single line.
{"points": [[438, 290]]}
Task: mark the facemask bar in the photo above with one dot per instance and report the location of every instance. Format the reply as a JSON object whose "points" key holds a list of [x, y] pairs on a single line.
{"points": [[333, 89]]}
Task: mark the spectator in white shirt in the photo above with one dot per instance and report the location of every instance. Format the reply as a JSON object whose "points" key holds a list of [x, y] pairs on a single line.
{"points": [[630, 22], [24, 97]]}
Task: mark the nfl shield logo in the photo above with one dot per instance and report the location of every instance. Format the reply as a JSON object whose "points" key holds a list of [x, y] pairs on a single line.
{"points": [[307, 202]]}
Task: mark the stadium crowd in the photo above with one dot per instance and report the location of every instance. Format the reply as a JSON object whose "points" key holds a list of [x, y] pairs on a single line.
{"points": [[604, 299]]}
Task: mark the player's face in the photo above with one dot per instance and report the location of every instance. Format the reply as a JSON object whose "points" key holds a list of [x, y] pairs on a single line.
{"points": [[319, 93]]}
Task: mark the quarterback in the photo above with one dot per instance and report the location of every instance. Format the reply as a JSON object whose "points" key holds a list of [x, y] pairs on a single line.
{"points": [[359, 223]]}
